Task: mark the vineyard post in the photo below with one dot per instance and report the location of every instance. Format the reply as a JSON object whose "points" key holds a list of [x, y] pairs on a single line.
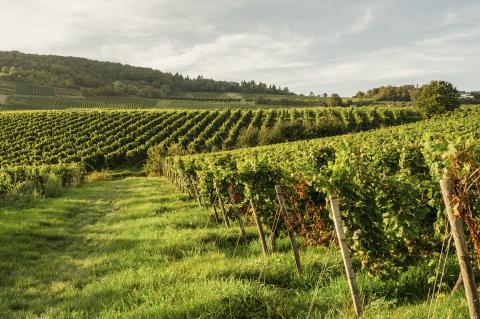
{"points": [[189, 187], [347, 260], [261, 233], [233, 197], [180, 182], [217, 218], [291, 234], [195, 190], [222, 207], [463, 256], [183, 183]]}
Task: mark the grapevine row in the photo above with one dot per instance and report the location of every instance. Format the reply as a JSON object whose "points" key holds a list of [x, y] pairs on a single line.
{"points": [[386, 182]]}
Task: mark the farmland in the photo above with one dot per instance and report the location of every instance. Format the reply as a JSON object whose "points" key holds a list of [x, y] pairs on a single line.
{"points": [[129, 192], [388, 168], [113, 138], [138, 248], [116, 232]]}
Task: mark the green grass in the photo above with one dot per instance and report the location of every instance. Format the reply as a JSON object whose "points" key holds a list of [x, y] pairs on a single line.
{"points": [[136, 248]]}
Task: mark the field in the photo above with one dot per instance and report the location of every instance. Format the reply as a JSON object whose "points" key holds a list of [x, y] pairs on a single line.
{"points": [[113, 138], [137, 207], [22, 96], [135, 248]]}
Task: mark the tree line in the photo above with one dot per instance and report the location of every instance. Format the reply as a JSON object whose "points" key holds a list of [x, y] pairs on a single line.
{"points": [[96, 78]]}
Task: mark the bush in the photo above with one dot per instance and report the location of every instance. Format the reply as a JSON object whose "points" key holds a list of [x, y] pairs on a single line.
{"points": [[248, 137], [269, 136], [5, 183], [98, 176], [438, 97], [24, 182], [335, 100], [53, 186]]}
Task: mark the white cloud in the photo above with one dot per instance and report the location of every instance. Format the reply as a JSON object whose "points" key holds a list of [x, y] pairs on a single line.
{"points": [[438, 58], [307, 45], [358, 25]]}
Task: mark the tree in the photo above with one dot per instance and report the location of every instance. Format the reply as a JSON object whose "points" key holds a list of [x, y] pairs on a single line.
{"points": [[335, 100], [437, 97], [360, 95], [248, 137]]}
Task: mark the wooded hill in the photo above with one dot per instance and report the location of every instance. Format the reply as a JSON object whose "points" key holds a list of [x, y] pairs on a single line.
{"points": [[97, 78]]}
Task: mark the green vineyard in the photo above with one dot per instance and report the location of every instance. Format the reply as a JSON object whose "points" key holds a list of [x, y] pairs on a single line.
{"points": [[386, 181], [113, 138], [37, 102]]}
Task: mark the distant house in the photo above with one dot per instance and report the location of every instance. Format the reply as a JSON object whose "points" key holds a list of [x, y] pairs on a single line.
{"points": [[466, 95]]}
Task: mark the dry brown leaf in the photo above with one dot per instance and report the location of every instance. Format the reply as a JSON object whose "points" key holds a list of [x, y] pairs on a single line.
{"points": [[457, 207]]}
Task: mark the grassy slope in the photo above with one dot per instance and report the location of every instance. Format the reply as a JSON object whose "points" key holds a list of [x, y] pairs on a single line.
{"points": [[135, 248]]}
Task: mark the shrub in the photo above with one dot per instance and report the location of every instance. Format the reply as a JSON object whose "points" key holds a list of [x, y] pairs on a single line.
{"points": [[335, 100], [53, 186], [437, 97], [98, 176], [248, 137], [5, 183]]}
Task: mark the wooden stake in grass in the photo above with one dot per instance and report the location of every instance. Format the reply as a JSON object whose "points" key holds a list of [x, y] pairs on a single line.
{"points": [[217, 218], [195, 190], [234, 198], [291, 234], [222, 206], [261, 233], [463, 256], [347, 260]]}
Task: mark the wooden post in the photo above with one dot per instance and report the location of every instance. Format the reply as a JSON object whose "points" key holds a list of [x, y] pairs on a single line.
{"points": [[222, 206], [261, 233], [224, 212], [347, 260], [217, 218], [273, 241], [291, 234], [181, 184], [234, 199], [463, 256], [195, 191]]}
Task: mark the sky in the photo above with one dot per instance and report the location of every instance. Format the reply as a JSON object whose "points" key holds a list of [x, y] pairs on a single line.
{"points": [[321, 46]]}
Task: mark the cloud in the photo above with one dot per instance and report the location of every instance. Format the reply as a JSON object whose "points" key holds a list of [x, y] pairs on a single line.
{"points": [[358, 25], [449, 57], [332, 45]]}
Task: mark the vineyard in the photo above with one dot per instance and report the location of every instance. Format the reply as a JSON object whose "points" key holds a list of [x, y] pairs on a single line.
{"points": [[112, 138], [38, 102], [23, 182], [386, 182], [68, 100]]}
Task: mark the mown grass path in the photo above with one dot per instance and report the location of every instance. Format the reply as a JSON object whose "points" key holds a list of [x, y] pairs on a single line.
{"points": [[136, 248]]}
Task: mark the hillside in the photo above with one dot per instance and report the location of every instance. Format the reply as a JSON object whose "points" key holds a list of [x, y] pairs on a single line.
{"points": [[96, 78], [115, 138]]}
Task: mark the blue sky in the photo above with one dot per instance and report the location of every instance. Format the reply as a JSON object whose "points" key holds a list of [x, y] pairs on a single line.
{"points": [[320, 46]]}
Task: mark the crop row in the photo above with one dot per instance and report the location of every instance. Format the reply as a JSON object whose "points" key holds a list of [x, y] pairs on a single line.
{"points": [[113, 138], [18, 182], [386, 181]]}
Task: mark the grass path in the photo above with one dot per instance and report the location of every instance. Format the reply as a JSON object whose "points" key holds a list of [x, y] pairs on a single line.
{"points": [[135, 248]]}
